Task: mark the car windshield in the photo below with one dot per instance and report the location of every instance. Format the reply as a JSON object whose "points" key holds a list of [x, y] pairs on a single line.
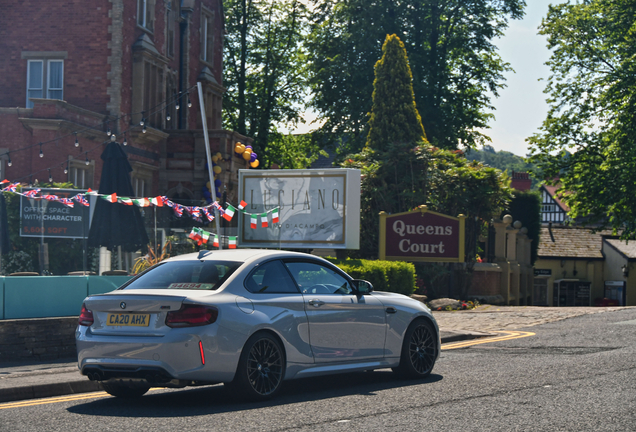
{"points": [[186, 275]]}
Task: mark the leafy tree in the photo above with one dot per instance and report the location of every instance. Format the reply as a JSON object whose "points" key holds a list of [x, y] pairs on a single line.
{"points": [[264, 66], [455, 65], [592, 97], [293, 151], [394, 117], [505, 161]]}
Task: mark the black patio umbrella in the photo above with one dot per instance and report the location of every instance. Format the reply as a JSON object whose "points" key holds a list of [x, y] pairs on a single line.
{"points": [[116, 224]]}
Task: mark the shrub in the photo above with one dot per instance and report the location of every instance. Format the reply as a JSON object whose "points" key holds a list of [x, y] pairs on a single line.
{"points": [[392, 276]]}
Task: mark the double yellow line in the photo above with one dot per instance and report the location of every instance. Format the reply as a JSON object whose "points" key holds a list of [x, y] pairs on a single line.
{"points": [[505, 335], [27, 403]]}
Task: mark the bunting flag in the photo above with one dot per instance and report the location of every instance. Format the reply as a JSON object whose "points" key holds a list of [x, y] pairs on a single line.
{"points": [[229, 212], [206, 212], [197, 213], [142, 202], [80, 199], [67, 202], [157, 201], [231, 242], [205, 236], [215, 242], [110, 198], [194, 234], [178, 209], [32, 193]]}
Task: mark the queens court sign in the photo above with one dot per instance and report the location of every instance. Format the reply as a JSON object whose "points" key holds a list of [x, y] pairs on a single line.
{"points": [[422, 235]]}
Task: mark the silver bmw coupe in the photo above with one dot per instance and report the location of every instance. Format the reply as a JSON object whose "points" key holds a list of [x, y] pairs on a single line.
{"points": [[249, 319]]}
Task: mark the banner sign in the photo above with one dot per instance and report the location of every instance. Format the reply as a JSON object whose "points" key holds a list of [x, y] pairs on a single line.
{"points": [[421, 235], [41, 217], [317, 208]]}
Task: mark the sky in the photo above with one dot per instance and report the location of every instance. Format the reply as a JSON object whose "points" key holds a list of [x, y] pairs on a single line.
{"points": [[520, 108]]}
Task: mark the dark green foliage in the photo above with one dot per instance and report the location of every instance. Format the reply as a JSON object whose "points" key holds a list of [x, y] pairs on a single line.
{"points": [[292, 151], [265, 67], [392, 276], [505, 161], [455, 65], [592, 98], [394, 117], [526, 208]]}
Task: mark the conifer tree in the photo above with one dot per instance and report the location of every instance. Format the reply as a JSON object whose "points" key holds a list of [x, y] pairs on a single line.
{"points": [[394, 117]]}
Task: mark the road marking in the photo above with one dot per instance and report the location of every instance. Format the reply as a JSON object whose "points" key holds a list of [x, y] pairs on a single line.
{"points": [[28, 403], [506, 335], [35, 402]]}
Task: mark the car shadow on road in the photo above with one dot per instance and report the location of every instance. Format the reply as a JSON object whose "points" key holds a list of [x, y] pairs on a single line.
{"points": [[194, 401]]}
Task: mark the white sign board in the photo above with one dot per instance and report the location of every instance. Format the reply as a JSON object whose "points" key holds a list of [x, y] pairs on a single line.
{"points": [[318, 208]]}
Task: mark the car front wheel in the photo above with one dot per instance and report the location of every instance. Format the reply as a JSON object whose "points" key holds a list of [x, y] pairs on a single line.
{"points": [[261, 368], [419, 350]]}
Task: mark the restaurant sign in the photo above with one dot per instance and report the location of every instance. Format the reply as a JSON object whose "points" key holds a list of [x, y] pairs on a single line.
{"points": [[51, 219], [317, 208], [421, 235]]}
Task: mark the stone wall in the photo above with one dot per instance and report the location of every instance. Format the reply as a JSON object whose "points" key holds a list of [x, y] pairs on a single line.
{"points": [[37, 339]]}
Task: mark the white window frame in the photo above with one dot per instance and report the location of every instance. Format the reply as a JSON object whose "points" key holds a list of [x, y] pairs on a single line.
{"points": [[45, 84], [145, 17], [207, 25], [87, 173]]}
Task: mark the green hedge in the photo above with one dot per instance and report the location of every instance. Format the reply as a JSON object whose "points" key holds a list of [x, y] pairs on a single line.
{"points": [[392, 276]]}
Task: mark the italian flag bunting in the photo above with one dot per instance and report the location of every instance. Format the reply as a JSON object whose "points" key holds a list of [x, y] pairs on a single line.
{"points": [[194, 234], [125, 200], [205, 236], [242, 205], [229, 212], [215, 242], [157, 201], [275, 216], [142, 202], [264, 220], [253, 221], [110, 198], [232, 242]]}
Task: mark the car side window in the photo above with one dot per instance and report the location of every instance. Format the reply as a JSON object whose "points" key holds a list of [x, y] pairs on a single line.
{"points": [[314, 278], [271, 277]]}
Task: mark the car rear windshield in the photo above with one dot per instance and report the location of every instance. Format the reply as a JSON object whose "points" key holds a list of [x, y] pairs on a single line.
{"points": [[186, 275]]}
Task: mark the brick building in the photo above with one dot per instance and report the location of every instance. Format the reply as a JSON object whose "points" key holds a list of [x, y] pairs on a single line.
{"points": [[72, 70]]}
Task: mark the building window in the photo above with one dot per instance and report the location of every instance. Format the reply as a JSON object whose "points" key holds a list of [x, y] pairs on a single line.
{"points": [[45, 79], [141, 178], [548, 208], [80, 174], [171, 102], [153, 94], [207, 36], [170, 22], [145, 15]]}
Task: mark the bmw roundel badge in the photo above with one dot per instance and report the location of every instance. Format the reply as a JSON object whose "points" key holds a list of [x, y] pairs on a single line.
{"points": [[122, 305]]}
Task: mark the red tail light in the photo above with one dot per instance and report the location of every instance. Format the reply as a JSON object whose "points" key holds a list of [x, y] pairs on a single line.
{"points": [[86, 317], [192, 316]]}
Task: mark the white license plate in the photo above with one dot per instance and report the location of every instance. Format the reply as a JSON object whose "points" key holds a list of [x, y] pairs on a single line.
{"points": [[121, 319]]}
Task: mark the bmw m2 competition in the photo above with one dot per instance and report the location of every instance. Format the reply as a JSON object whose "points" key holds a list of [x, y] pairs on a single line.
{"points": [[249, 319]]}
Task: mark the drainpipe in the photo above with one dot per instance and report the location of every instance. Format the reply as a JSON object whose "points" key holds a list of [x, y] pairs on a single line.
{"points": [[187, 7]]}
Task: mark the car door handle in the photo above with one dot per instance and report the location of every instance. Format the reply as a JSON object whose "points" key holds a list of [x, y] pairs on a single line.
{"points": [[391, 310], [316, 303]]}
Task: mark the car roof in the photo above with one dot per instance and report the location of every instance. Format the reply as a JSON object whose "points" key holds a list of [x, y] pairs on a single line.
{"points": [[242, 255]]}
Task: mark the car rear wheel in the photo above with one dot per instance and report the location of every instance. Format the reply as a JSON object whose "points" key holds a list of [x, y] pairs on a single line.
{"points": [[261, 368], [127, 389], [419, 350]]}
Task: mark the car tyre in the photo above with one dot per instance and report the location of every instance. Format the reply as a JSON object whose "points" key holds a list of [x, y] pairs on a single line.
{"points": [[127, 389], [419, 351], [261, 369]]}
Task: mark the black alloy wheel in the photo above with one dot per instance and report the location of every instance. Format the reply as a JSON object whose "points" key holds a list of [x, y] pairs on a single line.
{"points": [[419, 350], [261, 368]]}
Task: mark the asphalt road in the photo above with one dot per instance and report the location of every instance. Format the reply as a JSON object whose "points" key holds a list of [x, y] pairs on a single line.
{"points": [[576, 374]]}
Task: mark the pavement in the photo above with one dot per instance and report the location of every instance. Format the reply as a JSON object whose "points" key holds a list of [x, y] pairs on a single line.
{"points": [[31, 380]]}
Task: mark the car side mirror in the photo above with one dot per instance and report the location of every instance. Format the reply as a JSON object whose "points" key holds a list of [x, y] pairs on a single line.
{"points": [[361, 286]]}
